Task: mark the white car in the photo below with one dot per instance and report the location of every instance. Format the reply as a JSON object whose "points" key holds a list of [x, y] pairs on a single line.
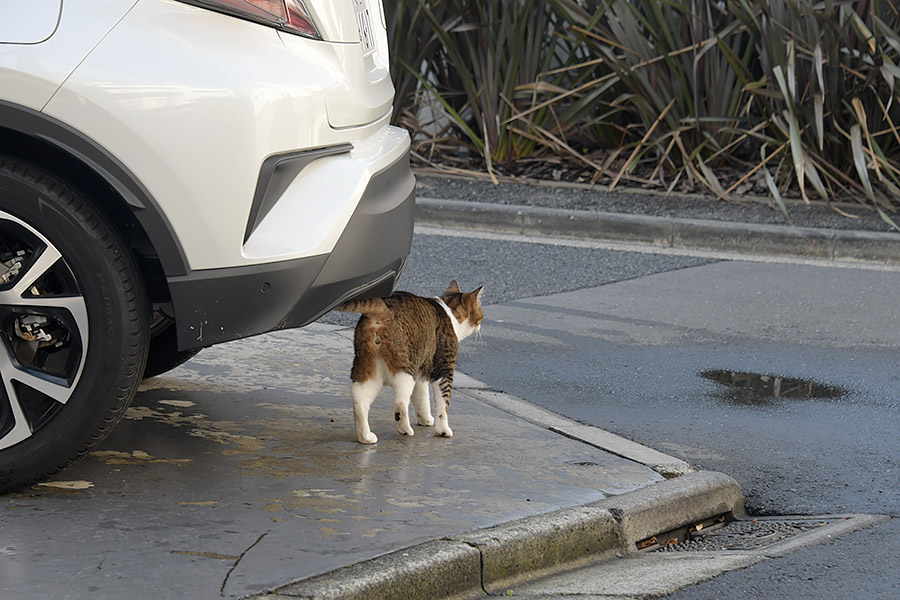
{"points": [[174, 174]]}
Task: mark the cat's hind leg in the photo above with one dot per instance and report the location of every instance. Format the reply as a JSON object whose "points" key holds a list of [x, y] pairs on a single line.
{"points": [[363, 394], [442, 388], [422, 403], [403, 384]]}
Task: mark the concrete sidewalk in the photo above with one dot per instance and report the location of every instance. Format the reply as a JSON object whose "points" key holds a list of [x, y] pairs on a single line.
{"points": [[239, 474]]}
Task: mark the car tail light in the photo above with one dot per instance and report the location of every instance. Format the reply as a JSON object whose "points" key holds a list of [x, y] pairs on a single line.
{"points": [[286, 15]]}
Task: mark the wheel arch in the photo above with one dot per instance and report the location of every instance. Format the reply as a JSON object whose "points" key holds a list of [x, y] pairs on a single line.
{"points": [[47, 142]]}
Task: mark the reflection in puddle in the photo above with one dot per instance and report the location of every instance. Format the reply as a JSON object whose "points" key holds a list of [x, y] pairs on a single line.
{"points": [[759, 389]]}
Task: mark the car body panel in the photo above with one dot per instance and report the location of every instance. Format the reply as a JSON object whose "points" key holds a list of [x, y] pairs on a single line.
{"points": [[369, 91], [193, 102], [90, 156], [31, 73], [334, 22], [308, 210], [29, 22], [224, 304]]}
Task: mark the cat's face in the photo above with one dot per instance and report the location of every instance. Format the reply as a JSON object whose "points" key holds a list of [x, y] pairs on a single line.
{"points": [[466, 308]]}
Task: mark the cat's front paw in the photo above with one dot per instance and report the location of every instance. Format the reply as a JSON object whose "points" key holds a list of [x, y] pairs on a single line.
{"points": [[444, 431], [408, 430], [426, 422], [367, 438]]}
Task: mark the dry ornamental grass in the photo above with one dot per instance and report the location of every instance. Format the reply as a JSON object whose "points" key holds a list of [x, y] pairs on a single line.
{"points": [[783, 97]]}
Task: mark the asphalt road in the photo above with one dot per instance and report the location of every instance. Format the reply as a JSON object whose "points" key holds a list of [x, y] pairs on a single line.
{"points": [[619, 340], [510, 270]]}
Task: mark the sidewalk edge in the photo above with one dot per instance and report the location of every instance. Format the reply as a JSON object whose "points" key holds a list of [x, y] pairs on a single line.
{"points": [[667, 466], [489, 560]]}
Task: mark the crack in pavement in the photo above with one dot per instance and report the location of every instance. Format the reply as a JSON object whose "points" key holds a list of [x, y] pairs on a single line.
{"points": [[238, 561]]}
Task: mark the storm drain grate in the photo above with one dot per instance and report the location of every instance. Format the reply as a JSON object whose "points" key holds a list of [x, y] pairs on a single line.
{"points": [[748, 535]]}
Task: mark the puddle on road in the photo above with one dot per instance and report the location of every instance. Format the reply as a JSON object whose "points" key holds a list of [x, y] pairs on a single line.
{"points": [[756, 389]]}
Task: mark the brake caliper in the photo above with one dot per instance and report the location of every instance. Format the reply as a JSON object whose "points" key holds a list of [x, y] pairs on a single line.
{"points": [[40, 329], [10, 265]]}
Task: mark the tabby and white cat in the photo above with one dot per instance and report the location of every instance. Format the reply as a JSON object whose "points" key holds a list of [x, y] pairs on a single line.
{"points": [[408, 342]]}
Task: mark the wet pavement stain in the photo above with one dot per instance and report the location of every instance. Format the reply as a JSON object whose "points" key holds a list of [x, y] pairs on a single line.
{"points": [[116, 457], [67, 486], [758, 389]]}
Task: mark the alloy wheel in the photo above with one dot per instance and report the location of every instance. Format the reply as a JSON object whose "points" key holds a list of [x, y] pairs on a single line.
{"points": [[43, 331]]}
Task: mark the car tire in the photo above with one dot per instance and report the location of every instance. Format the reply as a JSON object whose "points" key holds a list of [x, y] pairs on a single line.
{"points": [[73, 325], [164, 353]]}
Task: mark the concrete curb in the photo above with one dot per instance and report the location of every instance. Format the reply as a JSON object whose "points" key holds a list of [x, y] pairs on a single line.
{"points": [[777, 240], [667, 466], [490, 560]]}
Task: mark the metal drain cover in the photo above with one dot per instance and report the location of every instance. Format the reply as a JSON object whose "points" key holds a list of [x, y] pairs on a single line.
{"points": [[749, 535], [714, 546]]}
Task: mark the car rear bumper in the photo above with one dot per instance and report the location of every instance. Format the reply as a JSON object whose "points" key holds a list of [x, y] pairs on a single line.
{"points": [[219, 305]]}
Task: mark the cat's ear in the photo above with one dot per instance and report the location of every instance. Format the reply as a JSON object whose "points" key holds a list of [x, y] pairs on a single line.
{"points": [[478, 293], [453, 288]]}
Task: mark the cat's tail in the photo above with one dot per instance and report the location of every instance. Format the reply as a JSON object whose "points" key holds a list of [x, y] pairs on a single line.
{"points": [[366, 307]]}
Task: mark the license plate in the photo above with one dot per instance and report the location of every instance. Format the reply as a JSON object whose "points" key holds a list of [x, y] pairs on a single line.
{"points": [[364, 23]]}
